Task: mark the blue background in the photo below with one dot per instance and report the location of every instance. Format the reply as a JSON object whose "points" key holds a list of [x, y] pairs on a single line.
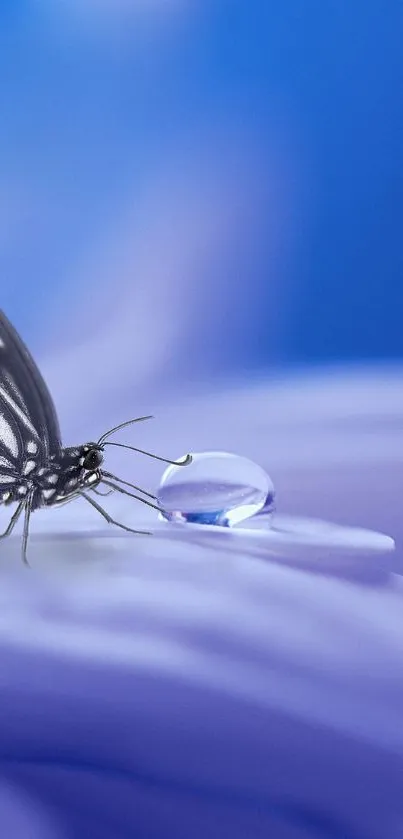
{"points": [[90, 110]]}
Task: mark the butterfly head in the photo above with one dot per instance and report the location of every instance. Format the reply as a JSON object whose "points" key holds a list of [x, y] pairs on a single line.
{"points": [[92, 457]]}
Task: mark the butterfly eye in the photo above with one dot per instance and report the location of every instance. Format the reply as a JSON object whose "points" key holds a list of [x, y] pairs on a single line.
{"points": [[93, 459]]}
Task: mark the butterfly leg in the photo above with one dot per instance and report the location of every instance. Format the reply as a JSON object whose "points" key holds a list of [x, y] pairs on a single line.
{"points": [[126, 483], [25, 533], [131, 495], [13, 520], [109, 518], [98, 492]]}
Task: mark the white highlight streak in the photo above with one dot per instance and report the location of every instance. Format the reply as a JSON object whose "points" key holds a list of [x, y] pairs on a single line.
{"points": [[7, 435], [17, 411], [6, 463], [29, 467]]}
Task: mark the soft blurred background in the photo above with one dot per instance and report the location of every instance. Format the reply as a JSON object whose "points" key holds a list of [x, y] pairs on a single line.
{"points": [[201, 207], [192, 190]]}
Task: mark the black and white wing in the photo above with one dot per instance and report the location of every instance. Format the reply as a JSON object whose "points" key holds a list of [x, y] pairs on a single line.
{"points": [[29, 425]]}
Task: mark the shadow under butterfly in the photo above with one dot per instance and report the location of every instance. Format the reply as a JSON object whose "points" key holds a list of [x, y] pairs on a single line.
{"points": [[35, 469]]}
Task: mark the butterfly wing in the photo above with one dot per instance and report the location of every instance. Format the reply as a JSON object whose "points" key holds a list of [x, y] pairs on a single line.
{"points": [[28, 421]]}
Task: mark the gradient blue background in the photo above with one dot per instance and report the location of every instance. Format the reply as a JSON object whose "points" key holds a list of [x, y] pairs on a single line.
{"points": [[96, 104]]}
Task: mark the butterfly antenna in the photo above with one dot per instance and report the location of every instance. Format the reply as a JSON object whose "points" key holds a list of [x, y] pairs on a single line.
{"points": [[185, 462], [122, 425]]}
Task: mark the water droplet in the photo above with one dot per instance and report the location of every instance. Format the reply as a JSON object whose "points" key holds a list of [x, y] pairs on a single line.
{"points": [[216, 488]]}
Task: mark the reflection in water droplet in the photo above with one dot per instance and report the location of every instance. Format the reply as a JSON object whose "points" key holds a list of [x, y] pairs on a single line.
{"points": [[216, 488]]}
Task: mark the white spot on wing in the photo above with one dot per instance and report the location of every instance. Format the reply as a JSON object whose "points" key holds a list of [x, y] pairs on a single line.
{"points": [[72, 482], [31, 447], [29, 467], [17, 411], [47, 493], [5, 462], [22, 490], [7, 436], [52, 479], [6, 496], [7, 479]]}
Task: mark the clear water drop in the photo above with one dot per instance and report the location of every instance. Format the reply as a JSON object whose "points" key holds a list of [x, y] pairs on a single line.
{"points": [[216, 488]]}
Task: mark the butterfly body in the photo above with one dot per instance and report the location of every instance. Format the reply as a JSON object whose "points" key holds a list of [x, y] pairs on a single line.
{"points": [[52, 481]]}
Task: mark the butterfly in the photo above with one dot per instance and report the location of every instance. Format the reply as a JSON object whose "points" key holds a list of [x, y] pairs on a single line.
{"points": [[36, 470]]}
